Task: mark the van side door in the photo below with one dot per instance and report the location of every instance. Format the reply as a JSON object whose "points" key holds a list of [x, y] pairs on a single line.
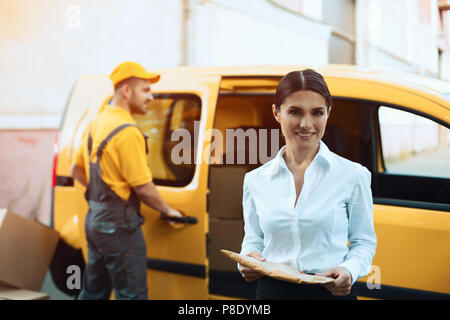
{"points": [[177, 125], [402, 136]]}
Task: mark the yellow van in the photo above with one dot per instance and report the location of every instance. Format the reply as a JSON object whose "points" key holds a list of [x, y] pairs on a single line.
{"points": [[396, 125]]}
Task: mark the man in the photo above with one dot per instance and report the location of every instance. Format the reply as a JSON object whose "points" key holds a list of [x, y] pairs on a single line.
{"points": [[112, 163]]}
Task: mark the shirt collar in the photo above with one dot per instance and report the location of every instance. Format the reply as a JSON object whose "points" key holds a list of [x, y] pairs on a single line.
{"points": [[119, 110], [324, 155], [114, 108]]}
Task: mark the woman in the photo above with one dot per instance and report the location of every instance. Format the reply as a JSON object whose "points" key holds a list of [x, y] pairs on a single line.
{"points": [[305, 205]]}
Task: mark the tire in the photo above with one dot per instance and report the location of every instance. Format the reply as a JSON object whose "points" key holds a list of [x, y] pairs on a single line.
{"points": [[65, 256]]}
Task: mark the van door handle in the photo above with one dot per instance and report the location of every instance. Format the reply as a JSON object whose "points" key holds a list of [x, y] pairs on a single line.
{"points": [[185, 220]]}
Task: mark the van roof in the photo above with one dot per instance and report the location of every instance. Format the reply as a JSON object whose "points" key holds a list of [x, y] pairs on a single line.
{"points": [[388, 75], [438, 88]]}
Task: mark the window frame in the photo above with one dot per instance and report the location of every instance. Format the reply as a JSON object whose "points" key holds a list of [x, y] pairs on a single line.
{"points": [[427, 205]]}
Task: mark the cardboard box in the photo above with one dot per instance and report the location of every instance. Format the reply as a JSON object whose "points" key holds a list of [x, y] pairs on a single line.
{"points": [[11, 293], [225, 197], [26, 250], [224, 234]]}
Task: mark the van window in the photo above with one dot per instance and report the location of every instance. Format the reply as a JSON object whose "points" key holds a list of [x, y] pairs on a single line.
{"points": [[166, 115], [415, 152], [414, 145]]}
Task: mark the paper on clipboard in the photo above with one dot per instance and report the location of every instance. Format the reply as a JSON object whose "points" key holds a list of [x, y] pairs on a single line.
{"points": [[276, 270]]}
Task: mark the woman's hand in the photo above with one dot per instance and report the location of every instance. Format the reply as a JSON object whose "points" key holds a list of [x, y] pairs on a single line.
{"points": [[342, 283], [249, 274]]}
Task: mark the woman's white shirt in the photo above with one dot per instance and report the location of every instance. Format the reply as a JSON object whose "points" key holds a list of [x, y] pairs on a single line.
{"points": [[334, 207]]}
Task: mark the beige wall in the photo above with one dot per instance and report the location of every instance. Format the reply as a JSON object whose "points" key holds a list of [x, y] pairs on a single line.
{"points": [[47, 44], [26, 172]]}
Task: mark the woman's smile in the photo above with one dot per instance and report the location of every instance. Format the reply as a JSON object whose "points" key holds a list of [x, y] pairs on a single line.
{"points": [[305, 135]]}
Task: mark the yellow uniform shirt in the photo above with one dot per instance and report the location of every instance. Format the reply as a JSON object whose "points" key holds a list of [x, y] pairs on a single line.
{"points": [[124, 160]]}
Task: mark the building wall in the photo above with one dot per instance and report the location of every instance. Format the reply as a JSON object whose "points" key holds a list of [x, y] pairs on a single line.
{"points": [[341, 16], [401, 34], [254, 32], [398, 34], [48, 44], [307, 8], [445, 55]]}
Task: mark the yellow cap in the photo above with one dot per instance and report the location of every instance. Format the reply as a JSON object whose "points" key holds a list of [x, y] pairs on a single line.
{"points": [[127, 70]]}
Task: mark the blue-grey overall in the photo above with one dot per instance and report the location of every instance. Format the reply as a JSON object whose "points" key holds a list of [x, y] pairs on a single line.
{"points": [[117, 257]]}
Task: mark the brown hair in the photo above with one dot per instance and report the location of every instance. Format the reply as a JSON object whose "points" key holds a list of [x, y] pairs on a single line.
{"points": [[302, 80]]}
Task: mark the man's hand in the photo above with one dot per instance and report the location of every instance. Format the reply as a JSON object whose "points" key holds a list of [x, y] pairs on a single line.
{"points": [[171, 213], [342, 281], [148, 194], [249, 274]]}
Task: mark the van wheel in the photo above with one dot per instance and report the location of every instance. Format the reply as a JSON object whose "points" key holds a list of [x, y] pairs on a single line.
{"points": [[65, 256]]}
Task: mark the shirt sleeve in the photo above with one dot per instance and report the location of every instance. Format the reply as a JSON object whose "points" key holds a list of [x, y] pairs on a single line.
{"points": [[253, 235], [133, 158], [361, 231]]}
